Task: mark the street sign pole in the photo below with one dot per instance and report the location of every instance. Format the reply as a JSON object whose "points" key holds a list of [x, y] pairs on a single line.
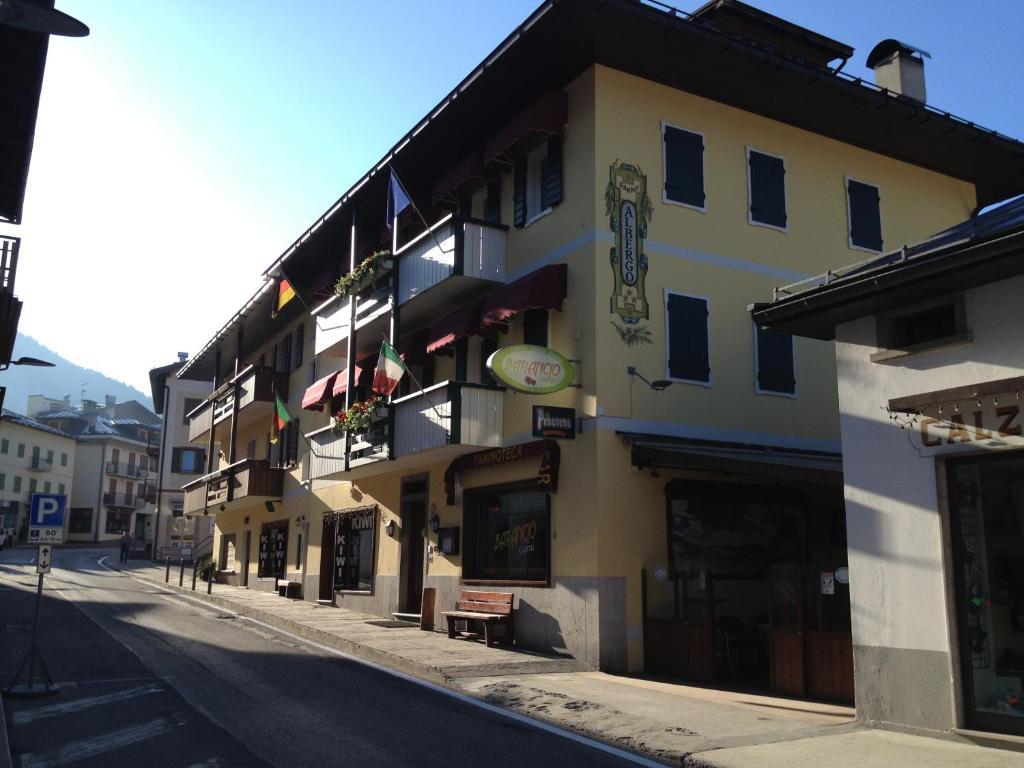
{"points": [[45, 686]]}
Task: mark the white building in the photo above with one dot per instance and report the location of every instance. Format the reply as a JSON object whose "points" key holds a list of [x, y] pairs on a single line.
{"points": [[178, 462], [34, 458], [930, 357]]}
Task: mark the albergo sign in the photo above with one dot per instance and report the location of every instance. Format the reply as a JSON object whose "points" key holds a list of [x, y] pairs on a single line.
{"points": [[532, 369]]}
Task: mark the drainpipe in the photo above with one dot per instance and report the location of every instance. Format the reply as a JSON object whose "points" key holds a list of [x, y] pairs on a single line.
{"points": [[160, 472], [99, 494]]}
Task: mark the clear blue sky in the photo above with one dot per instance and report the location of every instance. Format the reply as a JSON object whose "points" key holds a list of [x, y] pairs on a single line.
{"points": [[184, 144]]}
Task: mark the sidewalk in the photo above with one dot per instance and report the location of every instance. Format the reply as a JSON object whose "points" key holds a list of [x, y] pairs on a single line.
{"points": [[672, 723]]}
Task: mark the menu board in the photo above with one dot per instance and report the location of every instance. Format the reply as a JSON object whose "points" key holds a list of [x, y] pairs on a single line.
{"points": [[353, 552], [273, 549]]}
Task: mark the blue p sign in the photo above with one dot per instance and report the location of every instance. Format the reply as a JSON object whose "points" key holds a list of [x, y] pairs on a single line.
{"points": [[48, 510]]}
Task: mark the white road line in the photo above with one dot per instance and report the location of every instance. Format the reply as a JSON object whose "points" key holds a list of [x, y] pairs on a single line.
{"points": [[464, 698], [80, 750], [54, 710]]}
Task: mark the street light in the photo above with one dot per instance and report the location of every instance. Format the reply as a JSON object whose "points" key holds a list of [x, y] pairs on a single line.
{"points": [[658, 385], [34, 361]]}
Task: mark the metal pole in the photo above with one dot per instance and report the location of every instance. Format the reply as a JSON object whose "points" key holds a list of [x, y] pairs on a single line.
{"points": [[181, 574], [195, 570], [35, 628], [209, 578], [167, 573]]}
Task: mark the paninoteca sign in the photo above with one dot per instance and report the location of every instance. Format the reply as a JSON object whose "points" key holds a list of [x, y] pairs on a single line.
{"points": [[531, 369]]}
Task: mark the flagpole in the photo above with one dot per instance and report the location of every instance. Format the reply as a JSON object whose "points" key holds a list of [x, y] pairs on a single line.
{"points": [[420, 386], [418, 213]]}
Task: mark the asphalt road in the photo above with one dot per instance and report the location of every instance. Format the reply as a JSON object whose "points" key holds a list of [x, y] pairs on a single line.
{"points": [[152, 679]]}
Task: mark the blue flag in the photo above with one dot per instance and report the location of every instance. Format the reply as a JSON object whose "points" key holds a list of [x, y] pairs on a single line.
{"points": [[398, 199]]}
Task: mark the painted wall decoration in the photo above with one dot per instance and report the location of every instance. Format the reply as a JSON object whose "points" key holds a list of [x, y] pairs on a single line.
{"points": [[629, 210]]}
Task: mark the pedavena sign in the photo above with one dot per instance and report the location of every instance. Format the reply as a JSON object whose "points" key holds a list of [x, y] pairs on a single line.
{"points": [[531, 369]]}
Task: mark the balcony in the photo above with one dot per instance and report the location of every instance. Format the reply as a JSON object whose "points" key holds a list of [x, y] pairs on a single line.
{"points": [[254, 388], [442, 420], [10, 306], [40, 464], [153, 447], [129, 471], [149, 494], [123, 501], [454, 262], [246, 482]]}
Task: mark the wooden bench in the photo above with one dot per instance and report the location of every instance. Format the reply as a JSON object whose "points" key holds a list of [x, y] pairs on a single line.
{"points": [[487, 608], [292, 589]]}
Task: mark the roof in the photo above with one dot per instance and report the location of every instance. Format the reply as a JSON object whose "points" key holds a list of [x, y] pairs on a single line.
{"points": [[980, 250], [560, 40], [102, 426], [26, 421]]}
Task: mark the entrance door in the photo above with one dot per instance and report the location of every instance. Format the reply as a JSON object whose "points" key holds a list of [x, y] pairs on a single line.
{"points": [[987, 521], [414, 522], [328, 542], [786, 584], [140, 528]]}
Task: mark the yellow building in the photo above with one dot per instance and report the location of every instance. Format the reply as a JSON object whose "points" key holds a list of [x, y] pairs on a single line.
{"points": [[617, 184]]}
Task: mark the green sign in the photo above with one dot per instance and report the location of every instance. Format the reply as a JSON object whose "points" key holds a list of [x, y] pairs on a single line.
{"points": [[531, 369]]}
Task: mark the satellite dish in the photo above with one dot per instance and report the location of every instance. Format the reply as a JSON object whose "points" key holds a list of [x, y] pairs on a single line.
{"points": [[25, 14]]}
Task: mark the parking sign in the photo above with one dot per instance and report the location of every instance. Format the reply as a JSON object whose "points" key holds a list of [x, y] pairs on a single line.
{"points": [[46, 518]]}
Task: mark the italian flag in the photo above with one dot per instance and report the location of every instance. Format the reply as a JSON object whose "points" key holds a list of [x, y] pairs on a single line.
{"points": [[281, 419], [390, 369]]}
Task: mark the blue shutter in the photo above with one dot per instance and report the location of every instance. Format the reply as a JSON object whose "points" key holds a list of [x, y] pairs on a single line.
{"points": [[865, 217], [775, 370], [688, 338], [551, 175], [767, 190], [519, 193], [684, 167]]}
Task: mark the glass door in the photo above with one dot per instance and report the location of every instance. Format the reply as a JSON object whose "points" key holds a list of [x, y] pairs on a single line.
{"points": [[987, 516]]}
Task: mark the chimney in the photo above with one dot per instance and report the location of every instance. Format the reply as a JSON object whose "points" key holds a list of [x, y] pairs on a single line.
{"points": [[89, 411], [111, 400], [182, 357], [899, 68], [67, 401]]}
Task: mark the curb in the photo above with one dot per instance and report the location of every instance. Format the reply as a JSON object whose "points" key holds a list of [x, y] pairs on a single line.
{"points": [[5, 745]]}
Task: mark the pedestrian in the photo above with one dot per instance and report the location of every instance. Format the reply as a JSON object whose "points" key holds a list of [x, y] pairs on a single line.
{"points": [[4, 541], [126, 546]]}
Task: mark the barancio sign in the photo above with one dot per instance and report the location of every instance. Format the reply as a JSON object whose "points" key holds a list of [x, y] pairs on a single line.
{"points": [[531, 369]]}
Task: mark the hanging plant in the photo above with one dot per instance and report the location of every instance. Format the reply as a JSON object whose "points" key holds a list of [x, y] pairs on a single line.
{"points": [[368, 268], [359, 416]]}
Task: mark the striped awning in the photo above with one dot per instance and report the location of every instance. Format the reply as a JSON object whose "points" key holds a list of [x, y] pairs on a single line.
{"points": [[544, 288], [341, 383], [318, 393], [463, 322]]}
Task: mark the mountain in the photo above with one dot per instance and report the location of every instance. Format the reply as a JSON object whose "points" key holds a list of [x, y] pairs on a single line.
{"points": [[65, 378]]}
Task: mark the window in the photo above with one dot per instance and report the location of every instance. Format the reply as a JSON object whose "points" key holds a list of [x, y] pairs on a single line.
{"points": [[80, 520], [3, 480], [143, 463], [507, 535], [773, 352], [535, 327], [250, 449], [188, 461], [49, 457], [17, 484], [33, 486], [284, 354], [767, 189], [537, 182], [35, 455], [191, 403], [935, 323], [312, 367], [47, 486], [684, 167], [63, 459], [5, 445], [300, 334], [354, 536], [21, 450], [118, 521], [60, 488], [492, 202], [687, 323], [862, 203], [115, 457], [291, 456], [273, 546]]}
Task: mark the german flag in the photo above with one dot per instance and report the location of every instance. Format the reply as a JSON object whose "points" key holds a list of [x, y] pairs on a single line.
{"points": [[285, 293], [281, 419]]}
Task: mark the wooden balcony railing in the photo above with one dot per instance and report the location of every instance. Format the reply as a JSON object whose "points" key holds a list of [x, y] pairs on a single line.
{"points": [[254, 389], [246, 481]]}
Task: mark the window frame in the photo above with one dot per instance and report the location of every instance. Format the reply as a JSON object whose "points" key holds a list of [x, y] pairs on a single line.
{"points": [[757, 370], [473, 527], [535, 182], [664, 167], [849, 216], [885, 349], [709, 384], [750, 191]]}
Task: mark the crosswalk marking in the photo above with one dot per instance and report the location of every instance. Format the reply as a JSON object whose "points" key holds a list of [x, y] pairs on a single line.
{"points": [[80, 750], [30, 715]]}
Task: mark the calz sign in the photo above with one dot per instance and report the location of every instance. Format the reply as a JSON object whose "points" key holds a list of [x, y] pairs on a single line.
{"points": [[47, 517], [549, 421]]}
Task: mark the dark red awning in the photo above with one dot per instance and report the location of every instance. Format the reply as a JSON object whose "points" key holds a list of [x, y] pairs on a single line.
{"points": [[544, 288], [547, 115], [413, 348], [341, 383], [470, 167], [318, 393], [464, 322]]}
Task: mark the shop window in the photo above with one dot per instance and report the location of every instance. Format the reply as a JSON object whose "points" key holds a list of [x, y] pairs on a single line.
{"points": [[273, 548], [354, 551], [688, 353], [767, 182], [537, 182], [535, 327], [775, 366], [80, 520], [118, 521], [927, 325], [863, 209], [188, 461], [507, 536], [684, 167]]}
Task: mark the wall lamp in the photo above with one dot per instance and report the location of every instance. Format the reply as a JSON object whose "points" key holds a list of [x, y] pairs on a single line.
{"points": [[435, 523], [269, 505], [658, 385], [389, 529]]}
